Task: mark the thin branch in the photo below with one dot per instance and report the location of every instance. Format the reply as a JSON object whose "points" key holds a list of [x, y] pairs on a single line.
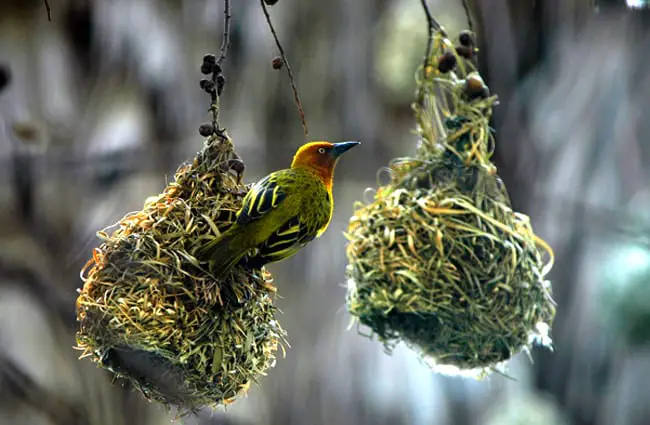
{"points": [[433, 26], [296, 97], [49, 11], [217, 74], [225, 42], [470, 24]]}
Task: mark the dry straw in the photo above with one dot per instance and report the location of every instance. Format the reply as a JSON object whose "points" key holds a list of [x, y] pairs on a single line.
{"points": [[438, 259], [152, 314]]}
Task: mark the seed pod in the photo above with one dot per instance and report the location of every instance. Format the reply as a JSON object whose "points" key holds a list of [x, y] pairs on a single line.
{"points": [[207, 85], [207, 68], [475, 87], [206, 130], [465, 52], [210, 58], [446, 62], [466, 39], [277, 62]]}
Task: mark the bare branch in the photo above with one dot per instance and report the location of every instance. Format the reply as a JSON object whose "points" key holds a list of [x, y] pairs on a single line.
{"points": [[49, 10], [433, 26], [225, 42], [470, 24], [296, 97]]}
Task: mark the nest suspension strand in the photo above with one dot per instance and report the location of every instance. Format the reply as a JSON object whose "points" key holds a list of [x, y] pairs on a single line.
{"points": [[439, 259]]}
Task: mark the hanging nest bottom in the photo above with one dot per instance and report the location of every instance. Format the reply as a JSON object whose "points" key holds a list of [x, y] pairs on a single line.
{"points": [[440, 261], [151, 313]]}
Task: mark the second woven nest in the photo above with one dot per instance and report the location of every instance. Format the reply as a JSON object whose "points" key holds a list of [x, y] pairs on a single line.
{"points": [[438, 259]]}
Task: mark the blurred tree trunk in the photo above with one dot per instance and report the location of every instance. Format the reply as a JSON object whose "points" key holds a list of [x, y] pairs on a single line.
{"points": [[513, 38], [511, 50]]}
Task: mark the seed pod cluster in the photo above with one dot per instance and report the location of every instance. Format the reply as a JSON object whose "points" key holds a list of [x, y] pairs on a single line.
{"points": [[213, 86], [466, 49]]}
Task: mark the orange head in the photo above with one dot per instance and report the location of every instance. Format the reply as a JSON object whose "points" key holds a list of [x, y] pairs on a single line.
{"points": [[321, 158]]}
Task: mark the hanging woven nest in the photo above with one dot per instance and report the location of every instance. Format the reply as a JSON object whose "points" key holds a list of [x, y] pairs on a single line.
{"points": [[438, 259], [153, 315]]}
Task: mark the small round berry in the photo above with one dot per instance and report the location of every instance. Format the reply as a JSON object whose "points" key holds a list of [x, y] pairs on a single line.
{"points": [[207, 68], [464, 51], [475, 87], [206, 130], [277, 62], [210, 58], [466, 38], [446, 62], [207, 85]]}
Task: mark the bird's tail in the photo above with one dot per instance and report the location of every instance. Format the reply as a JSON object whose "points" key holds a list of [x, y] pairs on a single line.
{"points": [[223, 253]]}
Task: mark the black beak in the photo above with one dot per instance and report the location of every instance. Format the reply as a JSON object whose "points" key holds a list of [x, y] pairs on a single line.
{"points": [[340, 148]]}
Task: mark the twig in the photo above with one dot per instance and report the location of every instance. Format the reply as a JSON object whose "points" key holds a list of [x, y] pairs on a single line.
{"points": [[296, 97], [225, 42], [470, 24], [217, 74], [49, 11], [433, 26]]}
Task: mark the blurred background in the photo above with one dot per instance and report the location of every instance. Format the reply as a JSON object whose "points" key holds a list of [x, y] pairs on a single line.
{"points": [[99, 106]]}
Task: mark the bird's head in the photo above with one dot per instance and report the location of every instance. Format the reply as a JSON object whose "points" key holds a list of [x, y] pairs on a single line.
{"points": [[321, 157]]}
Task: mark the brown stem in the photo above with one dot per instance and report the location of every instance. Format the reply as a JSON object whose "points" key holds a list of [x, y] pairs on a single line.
{"points": [[433, 26], [225, 42], [296, 97], [48, 10]]}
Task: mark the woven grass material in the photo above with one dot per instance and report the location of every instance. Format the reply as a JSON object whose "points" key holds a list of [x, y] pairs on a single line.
{"points": [[153, 315], [438, 259]]}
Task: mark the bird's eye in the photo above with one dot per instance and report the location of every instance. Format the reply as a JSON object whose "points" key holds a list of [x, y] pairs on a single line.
{"points": [[321, 151]]}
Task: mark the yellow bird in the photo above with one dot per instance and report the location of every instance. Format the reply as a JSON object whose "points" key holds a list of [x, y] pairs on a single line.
{"points": [[282, 212]]}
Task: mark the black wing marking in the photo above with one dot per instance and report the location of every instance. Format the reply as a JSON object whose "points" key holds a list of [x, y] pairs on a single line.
{"points": [[262, 198], [286, 240]]}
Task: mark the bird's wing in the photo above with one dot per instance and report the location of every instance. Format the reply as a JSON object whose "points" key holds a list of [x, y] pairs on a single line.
{"points": [[264, 196], [292, 232], [294, 227], [287, 239]]}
